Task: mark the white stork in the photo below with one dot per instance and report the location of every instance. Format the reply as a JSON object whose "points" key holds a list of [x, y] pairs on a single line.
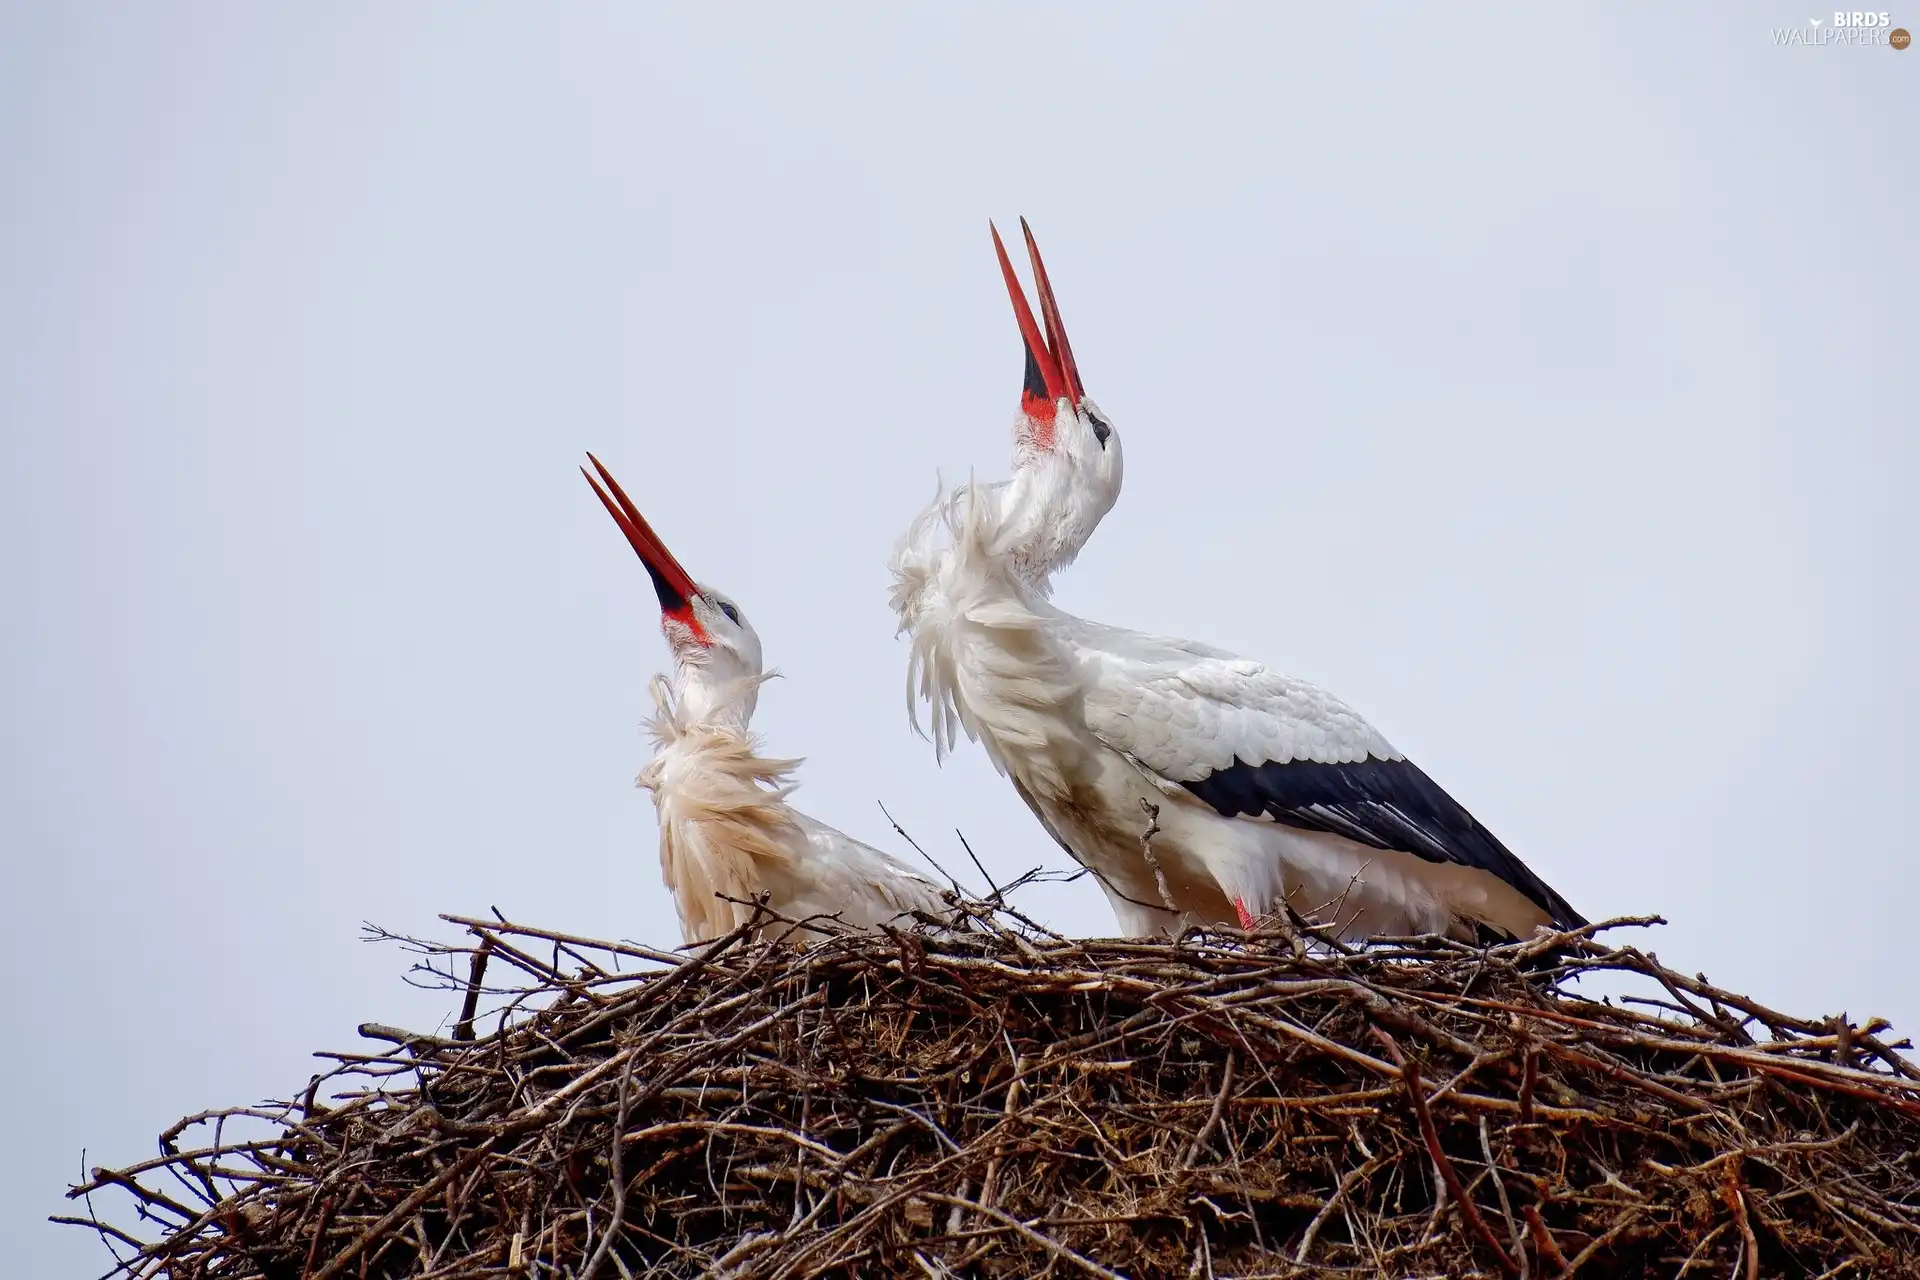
{"points": [[726, 829], [1262, 787]]}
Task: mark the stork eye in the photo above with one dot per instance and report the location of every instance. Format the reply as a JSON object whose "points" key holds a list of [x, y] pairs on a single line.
{"points": [[733, 614], [1100, 429]]}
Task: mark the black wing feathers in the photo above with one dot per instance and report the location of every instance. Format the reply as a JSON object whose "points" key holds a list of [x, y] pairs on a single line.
{"points": [[1387, 804]]}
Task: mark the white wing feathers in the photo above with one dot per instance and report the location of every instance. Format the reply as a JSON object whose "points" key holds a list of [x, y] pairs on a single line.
{"points": [[863, 886], [1184, 710]]}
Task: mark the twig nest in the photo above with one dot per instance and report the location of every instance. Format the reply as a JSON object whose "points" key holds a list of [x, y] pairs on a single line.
{"points": [[991, 1102]]}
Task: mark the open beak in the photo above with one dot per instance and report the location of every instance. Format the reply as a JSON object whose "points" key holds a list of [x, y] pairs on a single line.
{"points": [[1052, 374], [670, 582]]}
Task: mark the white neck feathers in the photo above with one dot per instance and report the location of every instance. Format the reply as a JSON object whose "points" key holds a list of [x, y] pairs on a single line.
{"points": [[724, 817]]}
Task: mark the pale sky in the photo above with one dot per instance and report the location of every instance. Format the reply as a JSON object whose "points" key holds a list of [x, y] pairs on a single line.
{"points": [[1540, 381]]}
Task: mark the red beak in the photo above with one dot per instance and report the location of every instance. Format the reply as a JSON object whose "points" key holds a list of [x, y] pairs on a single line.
{"points": [[1052, 373], [670, 582]]}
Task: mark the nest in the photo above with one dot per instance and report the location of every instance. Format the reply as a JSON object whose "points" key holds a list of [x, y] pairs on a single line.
{"points": [[1000, 1101]]}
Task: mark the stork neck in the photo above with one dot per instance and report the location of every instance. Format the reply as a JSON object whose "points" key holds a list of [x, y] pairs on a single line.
{"points": [[707, 699], [1044, 521]]}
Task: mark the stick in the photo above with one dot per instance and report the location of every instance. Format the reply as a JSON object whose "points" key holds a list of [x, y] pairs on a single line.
{"points": [[1213, 1117], [1734, 1193], [463, 1029], [1410, 1072], [1153, 860], [617, 1222]]}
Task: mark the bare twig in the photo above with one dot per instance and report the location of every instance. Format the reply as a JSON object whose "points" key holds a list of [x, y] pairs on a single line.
{"points": [[1733, 1191], [1153, 859], [463, 1029], [1213, 1117], [1410, 1072]]}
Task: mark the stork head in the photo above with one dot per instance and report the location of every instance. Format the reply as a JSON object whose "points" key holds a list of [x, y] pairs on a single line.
{"points": [[1066, 454], [716, 652]]}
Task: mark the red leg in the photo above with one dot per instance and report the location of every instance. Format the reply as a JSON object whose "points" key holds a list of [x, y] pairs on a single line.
{"points": [[1246, 916]]}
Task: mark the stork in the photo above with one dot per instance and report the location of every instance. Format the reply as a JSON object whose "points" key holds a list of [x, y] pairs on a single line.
{"points": [[727, 832], [1197, 785]]}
